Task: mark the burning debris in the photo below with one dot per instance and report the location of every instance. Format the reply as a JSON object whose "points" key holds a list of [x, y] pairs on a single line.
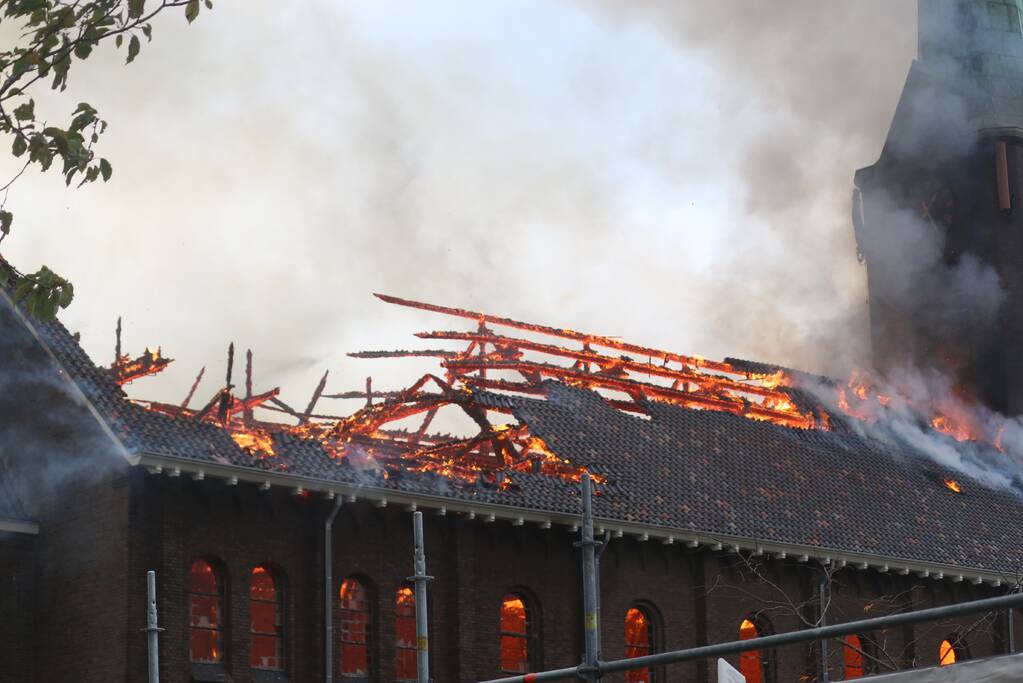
{"points": [[516, 361], [391, 433], [127, 369]]}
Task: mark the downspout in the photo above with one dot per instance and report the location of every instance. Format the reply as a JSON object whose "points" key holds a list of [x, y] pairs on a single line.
{"points": [[328, 593]]}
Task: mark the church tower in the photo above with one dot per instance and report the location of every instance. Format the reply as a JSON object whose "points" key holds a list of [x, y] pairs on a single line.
{"points": [[937, 218]]}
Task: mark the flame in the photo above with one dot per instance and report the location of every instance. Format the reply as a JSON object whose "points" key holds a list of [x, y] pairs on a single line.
{"points": [[953, 413], [957, 430], [127, 369], [630, 377], [257, 441]]}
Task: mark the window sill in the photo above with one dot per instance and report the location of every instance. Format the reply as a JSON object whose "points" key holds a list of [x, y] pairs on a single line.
{"points": [[210, 673], [269, 676]]}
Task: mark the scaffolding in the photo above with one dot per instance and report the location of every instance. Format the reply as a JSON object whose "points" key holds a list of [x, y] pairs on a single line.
{"points": [[593, 669]]}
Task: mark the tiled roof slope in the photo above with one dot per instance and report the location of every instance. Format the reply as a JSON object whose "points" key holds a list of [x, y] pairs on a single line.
{"points": [[700, 471], [717, 472]]}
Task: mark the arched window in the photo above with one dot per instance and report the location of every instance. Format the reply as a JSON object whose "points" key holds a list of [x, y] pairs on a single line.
{"points": [[205, 613], [266, 620], [355, 624], [751, 664], [639, 640], [405, 664], [852, 657], [518, 654], [951, 650]]}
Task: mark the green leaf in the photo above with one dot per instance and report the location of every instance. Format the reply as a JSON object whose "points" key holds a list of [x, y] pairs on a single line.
{"points": [[119, 40], [67, 293], [136, 8], [83, 50], [209, 4], [25, 112], [60, 68], [133, 49], [5, 276], [192, 10], [148, 30], [105, 169], [19, 146], [5, 221], [24, 287]]}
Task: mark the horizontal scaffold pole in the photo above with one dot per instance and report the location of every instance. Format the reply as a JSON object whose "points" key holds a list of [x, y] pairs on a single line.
{"points": [[779, 640]]}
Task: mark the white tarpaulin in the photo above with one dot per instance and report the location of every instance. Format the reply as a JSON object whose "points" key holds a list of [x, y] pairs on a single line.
{"points": [[728, 674], [1007, 669]]}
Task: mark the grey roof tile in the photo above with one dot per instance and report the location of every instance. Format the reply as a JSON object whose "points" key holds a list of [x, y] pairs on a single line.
{"points": [[699, 470]]}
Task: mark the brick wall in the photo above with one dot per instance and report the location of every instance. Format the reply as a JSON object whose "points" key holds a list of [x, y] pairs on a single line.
{"points": [[82, 615], [17, 603], [696, 596]]}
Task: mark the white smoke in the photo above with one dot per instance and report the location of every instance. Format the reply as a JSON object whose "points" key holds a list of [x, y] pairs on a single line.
{"points": [[920, 411]]}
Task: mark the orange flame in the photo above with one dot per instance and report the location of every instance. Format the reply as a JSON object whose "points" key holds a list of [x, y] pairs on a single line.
{"points": [[127, 369], [257, 441], [953, 416]]}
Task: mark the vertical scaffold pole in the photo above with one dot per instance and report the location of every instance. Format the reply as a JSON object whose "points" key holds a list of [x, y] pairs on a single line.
{"points": [[1010, 626], [420, 577], [152, 630], [591, 620], [822, 611]]}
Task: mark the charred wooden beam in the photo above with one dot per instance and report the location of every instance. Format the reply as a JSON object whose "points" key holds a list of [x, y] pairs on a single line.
{"points": [[596, 340], [130, 369], [405, 353], [117, 343], [247, 410], [191, 392], [315, 398]]}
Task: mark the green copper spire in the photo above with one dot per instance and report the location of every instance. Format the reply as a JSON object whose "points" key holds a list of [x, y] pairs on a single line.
{"points": [[983, 37], [976, 48]]}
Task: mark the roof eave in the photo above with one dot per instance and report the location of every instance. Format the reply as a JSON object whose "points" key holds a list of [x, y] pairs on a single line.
{"points": [[19, 526], [233, 474]]}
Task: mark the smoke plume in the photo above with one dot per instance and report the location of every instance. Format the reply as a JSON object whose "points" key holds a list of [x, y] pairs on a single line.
{"points": [[48, 435], [676, 173]]}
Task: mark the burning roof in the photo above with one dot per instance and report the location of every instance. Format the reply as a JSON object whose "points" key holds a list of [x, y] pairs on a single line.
{"points": [[516, 362], [725, 448]]}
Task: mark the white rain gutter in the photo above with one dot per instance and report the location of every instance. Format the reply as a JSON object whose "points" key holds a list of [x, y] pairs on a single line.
{"points": [[490, 512]]}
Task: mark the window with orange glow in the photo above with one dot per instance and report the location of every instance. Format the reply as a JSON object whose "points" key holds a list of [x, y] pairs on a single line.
{"points": [[516, 634], [853, 657], [205, 613], [750, 663], [266, 626], [355, 623], [946, 654], [405, 664], [639, 638]]}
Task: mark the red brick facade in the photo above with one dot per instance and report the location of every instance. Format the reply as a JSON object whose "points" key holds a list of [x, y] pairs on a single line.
{"points": [[87, 606]]}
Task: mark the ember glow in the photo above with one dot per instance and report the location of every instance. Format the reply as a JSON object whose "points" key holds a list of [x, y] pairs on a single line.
{"points": [[127, 369], [953, 485], [257, 441], [954, 416], [391, 432]]}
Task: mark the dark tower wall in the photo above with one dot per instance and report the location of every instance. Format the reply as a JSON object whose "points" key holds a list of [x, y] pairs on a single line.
{"points": [[937, 218]]}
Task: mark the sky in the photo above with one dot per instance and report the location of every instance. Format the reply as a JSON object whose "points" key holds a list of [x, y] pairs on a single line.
{"points": [[677, 174]]}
